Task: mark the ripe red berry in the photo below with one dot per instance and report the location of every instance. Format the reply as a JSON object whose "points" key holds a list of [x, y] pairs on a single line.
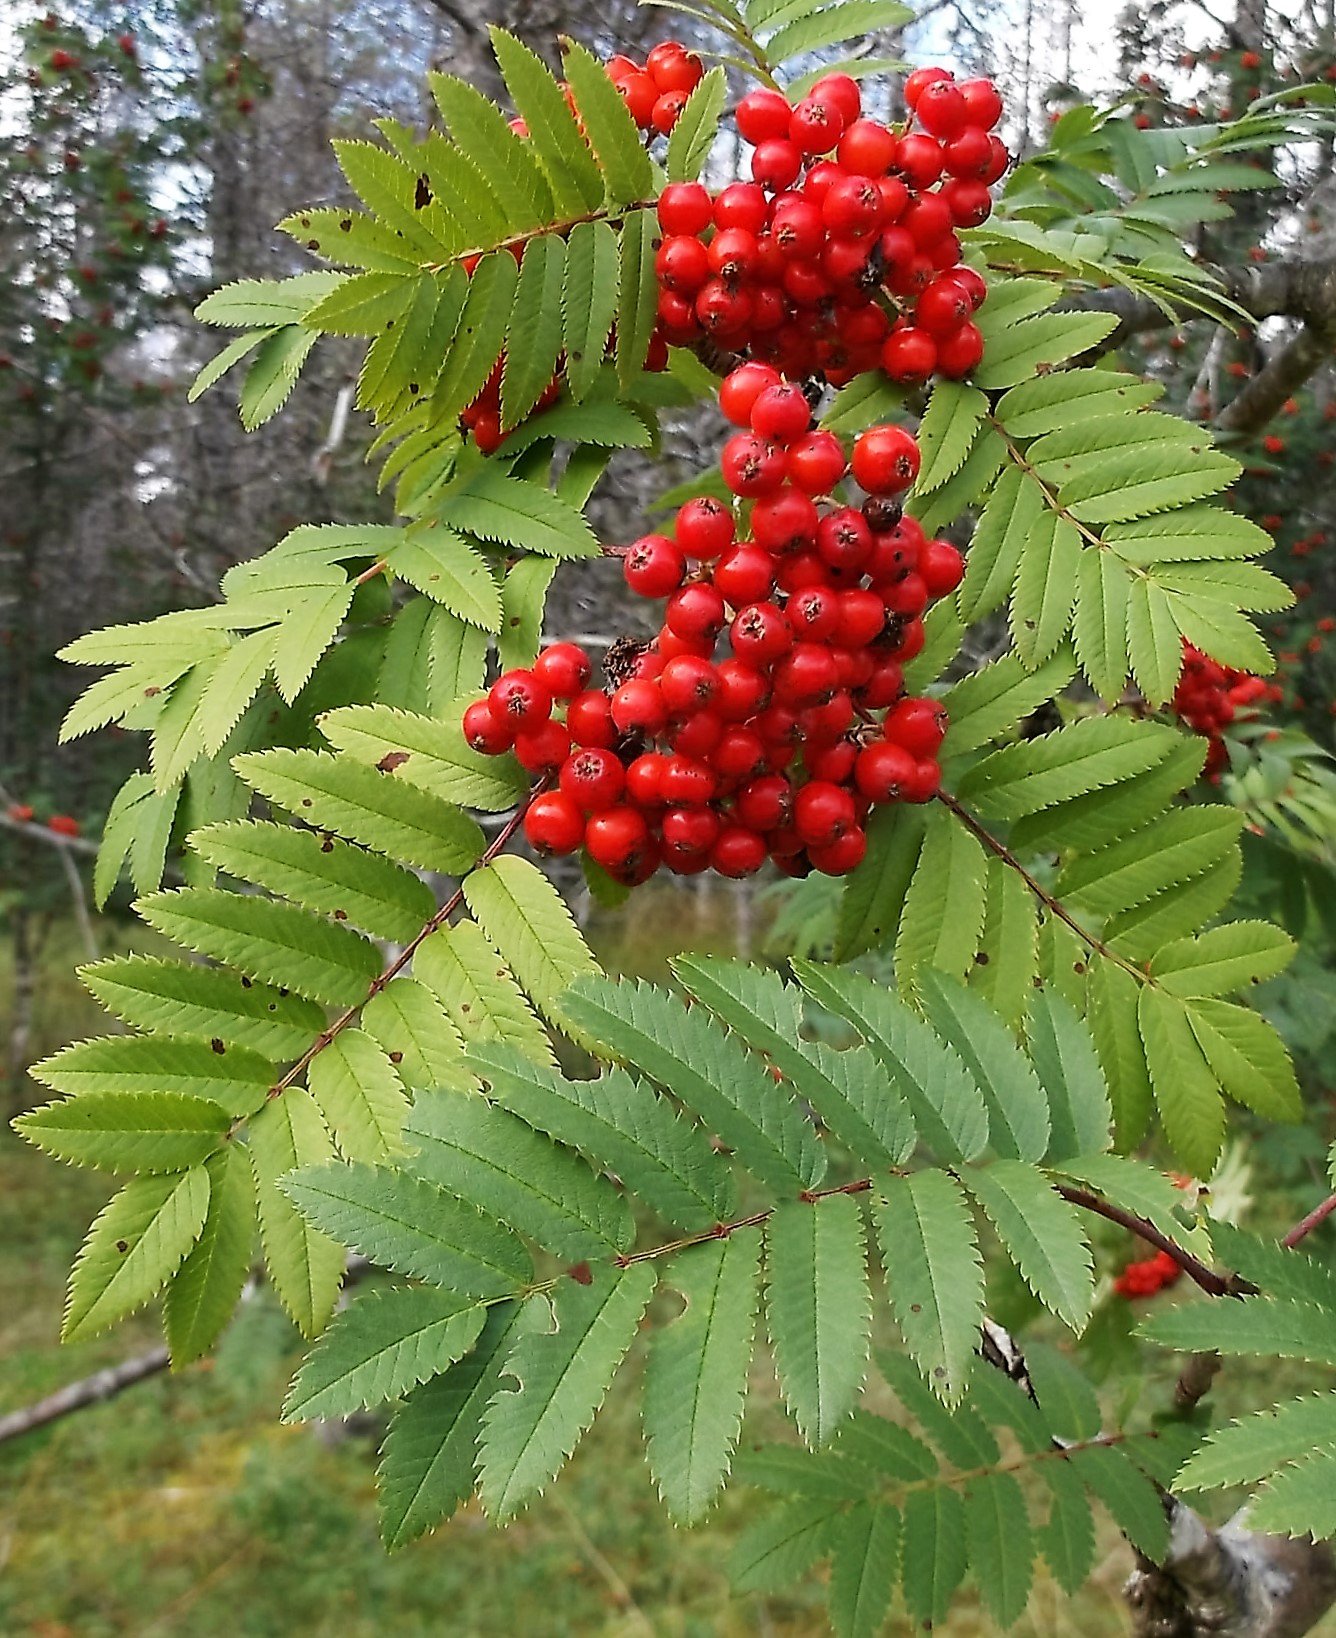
{"points": [[688, 684], [742, 387], [704, 527], [822, 812], [554, 823], [925, 783], [885, 460], [942, 567], [776, 163], [734, 255], [840, 91], [917, 726], [682, 264], [589, 719], [760, 634], [638, 707], [860, 618], [639, 92], [781, 413], [814, 613], [852, 206], [918, 82], [960, 352], [618, 838], [784, 522], [743, 690], [919, 160], [686, 782], [816, 463], [695, 612], [690, 830], [843, 538], [642, 779], [593, 778], [909, 355], [673, 68], [816, 126], [563, 669], [797, 226], [723, 311], [518, 698], [806, 676], [842, 855], [742, 205], [654, 566], [762, 114], [543, 749], [740, 754], [942, 110], [969, 202], [746, 574], [485, 731], [752, 466], [737, 852], [685, 208], [983, 104]]}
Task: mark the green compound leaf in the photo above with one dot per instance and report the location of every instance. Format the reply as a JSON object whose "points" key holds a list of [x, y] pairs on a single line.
{"points": [[819, 1309], [1042, 1235], [527, 920], [137, 1242], [362, 1099], [427, 1464], [686, 1051], [491, 1159], [934, 1275], [562, 1376], [380, 1347], [696, 1371], [621, 1124], [201, 1297], [408, 1224], [864, 1559], [128, 1131], [305, 1266]]}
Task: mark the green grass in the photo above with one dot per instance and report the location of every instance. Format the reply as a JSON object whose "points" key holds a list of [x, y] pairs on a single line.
{"points": [[183, 1510]]}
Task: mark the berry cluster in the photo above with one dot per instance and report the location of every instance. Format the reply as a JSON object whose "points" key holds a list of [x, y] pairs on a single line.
{"points": [[781, 748], [656, 91], [1148, 1277], [795, 266], [1210, 696]]}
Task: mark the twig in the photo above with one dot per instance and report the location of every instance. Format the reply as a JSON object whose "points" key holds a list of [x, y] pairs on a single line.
{"points": [[1306, 1225], [90, 1390]]}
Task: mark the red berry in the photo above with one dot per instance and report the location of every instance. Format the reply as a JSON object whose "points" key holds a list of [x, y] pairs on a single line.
{"points": [[639, 92], [742, 205], [704, 527], [843, 538], [814, 613], [885, 460], [619, 839], [543, 749], [737, 852], [744, 575], [752, 466], [853, 206], [983, 105], [638, 707], [917, 726], [822, 812], [518, 698], [840, 91], [673, 68], [690, 830], [563, 669], [970, 155], [485, 731], [733, 255], [797, 226], [867, 148], [785, 522], [925, 783], [816, 126], [766, 803], [816, 463], [918, 82], [919, 160], [654, 566], [642, 779], [589, 719], [760, 634], [942, 109], [762, 114], [776, 163], [722, 311], [695, 612], [682, 264], [969, 202], [781, 413], [688, 684], [593, 778], [960, 352], [739, 754], [743, 690], [554, 823], [806, 676], [860, 618], [686, 782], [844, 854], [685, 208], [742, 387], [942, 567], [909, 355]]}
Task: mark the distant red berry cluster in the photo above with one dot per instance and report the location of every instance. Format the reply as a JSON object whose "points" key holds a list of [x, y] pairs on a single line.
{"points": [[1148, 1277], [793, 267], [656, 91], [1210, 696], [781, 748]]}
